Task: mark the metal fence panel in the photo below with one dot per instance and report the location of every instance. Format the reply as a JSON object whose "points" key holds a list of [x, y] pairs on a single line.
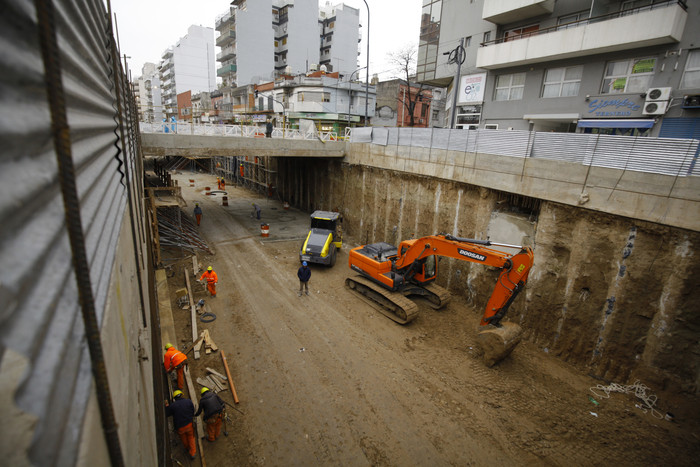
{"points": [[40, 317]]}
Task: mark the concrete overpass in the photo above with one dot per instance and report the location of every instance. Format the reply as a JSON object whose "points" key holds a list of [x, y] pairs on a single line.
{"points": [[205, 146]]}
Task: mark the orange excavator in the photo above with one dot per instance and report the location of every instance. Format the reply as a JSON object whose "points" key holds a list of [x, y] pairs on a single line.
{"points": [[389, 275]]}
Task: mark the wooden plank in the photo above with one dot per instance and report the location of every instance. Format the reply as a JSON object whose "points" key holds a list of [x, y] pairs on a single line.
{"points": [[165, 311], [198, 420], [215, 373], [195, 266], [230, 380], [193, 313]]}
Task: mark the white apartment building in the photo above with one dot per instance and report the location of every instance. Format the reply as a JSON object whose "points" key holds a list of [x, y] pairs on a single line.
{"points": [[263, 39], [148, 94], [339, 25], [189, 65]]}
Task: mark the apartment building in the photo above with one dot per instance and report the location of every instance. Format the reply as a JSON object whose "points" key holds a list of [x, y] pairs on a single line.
{"points": [[614, 67], [327, 99], [189, 65], [264, 39], [339, 26], [147, 94]]}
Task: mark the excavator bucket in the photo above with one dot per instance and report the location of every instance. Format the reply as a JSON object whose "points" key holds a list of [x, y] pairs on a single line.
{"points": [[498, 342]]}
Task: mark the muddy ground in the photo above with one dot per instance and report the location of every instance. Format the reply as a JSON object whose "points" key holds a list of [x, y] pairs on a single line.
{"points": [[326, 380]]}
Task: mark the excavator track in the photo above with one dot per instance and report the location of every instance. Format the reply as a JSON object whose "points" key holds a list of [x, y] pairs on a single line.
{"points": [[391, 304], [438, 297]]}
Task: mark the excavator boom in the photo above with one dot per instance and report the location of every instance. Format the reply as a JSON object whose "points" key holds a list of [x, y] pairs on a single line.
{"points": [[389, 274]]}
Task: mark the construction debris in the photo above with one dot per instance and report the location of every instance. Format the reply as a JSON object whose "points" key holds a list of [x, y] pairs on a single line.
{"points": [[206, 340]]}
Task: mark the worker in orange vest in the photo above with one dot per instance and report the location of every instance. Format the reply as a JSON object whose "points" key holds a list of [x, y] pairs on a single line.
{"points": [[212, 279], [175, 360], [222, 184]]}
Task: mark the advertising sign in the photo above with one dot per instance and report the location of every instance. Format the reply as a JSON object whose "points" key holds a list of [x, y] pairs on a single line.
{"points": [[471, 88]]}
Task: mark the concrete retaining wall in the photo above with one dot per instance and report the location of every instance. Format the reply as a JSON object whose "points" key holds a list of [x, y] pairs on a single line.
{"points": [[614, 295]]}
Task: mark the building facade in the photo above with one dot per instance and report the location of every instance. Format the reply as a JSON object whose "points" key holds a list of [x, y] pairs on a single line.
{"points": [[326, 99], [189, 65], [148, 94], [399, 105], [615, 67], [262, 40], [339, 26]]}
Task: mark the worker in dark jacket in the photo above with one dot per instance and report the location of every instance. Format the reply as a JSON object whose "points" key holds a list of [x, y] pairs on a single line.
{"points": [[213, 408], [304, 274], [182, 411]]}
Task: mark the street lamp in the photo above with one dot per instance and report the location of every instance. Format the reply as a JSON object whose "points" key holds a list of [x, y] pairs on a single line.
{"points": [[350, 91], [367, 74]]}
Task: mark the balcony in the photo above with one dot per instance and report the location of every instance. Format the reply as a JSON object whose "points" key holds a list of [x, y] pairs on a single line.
{"points": [[225, 21], [225, 54], [168, 53], [509, 11], [225, 38], [632, 29], [226, 69]]}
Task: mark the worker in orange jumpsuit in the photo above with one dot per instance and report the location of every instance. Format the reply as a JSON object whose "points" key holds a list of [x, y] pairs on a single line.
{"points": [[182, 411], [212, 279], [218, 183], [222, 184], [175, 360]]}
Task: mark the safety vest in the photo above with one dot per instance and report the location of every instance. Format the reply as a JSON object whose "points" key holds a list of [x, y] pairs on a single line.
{"points": [[173, 358]]}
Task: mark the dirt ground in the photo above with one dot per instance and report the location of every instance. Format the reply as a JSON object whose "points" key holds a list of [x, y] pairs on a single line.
{"points": [[327, 380]]}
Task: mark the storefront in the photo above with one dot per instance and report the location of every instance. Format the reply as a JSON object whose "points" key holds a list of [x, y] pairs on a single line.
{"points": [[622, 116], [619, 127]]}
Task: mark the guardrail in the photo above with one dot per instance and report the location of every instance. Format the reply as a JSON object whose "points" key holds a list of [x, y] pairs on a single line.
{"points": [[241, 131], [667, 156]]}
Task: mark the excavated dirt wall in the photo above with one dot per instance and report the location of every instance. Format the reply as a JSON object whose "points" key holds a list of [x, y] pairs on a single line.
{"points": [[616, 297]]}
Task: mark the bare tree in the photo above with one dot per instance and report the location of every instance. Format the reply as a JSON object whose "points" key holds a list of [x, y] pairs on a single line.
{"points": [[405, 61]]}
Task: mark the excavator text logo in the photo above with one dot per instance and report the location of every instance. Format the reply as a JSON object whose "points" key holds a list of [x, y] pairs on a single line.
{"points": [[471, 254]]}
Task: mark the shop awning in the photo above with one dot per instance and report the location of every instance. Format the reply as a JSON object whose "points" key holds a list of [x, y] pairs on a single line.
{"points": [[616, 123]]}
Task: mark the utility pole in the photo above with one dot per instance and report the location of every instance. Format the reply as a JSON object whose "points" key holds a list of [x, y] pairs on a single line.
{"points": [[367, 72], [456, 56]]}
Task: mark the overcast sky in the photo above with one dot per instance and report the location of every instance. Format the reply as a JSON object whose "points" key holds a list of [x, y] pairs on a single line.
{"points": [[147, 27]]}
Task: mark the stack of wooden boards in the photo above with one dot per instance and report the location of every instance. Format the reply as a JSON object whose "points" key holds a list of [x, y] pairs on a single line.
{"points": [[206, 340]]}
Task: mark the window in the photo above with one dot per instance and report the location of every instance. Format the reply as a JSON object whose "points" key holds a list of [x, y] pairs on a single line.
{"points": [[519, 33], [468, 116], [628, 75], [326, 97], [284, 41], [563, 22], [491, 126], [562, 82], [691, 74], [468, 41], [332, 25], [510, 87], [487, 36], [277, 44]]}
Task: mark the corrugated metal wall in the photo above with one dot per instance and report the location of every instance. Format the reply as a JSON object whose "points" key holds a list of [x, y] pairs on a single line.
{"points": [[40, 314], [668, 156]]}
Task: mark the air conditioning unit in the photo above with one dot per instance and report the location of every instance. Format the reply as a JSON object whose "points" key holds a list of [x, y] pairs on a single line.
{"points": [[655, 108], [658, 94]]}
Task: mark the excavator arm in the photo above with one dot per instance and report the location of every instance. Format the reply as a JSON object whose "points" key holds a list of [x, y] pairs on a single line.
{"points": [[511, 279]]}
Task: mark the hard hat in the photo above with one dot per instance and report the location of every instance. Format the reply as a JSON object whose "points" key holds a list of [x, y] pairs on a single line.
{"points": [[304, 263], [177, 393], [167, 346], [204, 389], [196, 204], [209, 268]]}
